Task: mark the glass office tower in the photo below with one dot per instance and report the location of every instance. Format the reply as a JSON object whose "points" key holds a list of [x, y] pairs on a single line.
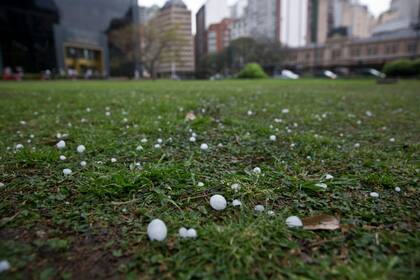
{"points": [[66, 34]]}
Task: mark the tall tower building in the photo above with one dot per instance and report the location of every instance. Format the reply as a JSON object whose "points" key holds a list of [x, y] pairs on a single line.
{"points": [[179, 59], [320, 20]]}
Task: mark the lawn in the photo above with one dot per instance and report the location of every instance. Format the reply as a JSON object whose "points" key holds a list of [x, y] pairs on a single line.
{"points": [[92, 224]]}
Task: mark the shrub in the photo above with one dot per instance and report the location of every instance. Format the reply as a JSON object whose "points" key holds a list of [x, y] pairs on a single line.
{"points": [[400, 68], [252, 71], [416, 66]]}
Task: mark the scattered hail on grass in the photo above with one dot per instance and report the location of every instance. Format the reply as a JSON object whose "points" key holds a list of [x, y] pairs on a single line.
{"points": [[285, 111], [157, 146], [236, 203], [204, 147], [81, 149], [392, 140], [183, 232], [322, 186], [259, 208], [139, 148], [294, 222], [83, 163], [67, 171], [218, 202], [369, 114], [113, 160], [200, 184], [159, 140], [273, 138], [108, 114], [192, 139], [1, 185], [61, 145], [249, 113], [270, 213], [156, 230], [374, 194], [144, 140], [63, 157], [4, 266], [236, 187], [357, 145], [397, 189], [256, 170]]}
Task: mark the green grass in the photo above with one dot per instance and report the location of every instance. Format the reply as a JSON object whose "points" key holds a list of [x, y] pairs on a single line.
{"points": [[93, 223]]}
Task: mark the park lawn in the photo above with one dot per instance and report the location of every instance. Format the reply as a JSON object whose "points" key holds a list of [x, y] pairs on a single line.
{"points": [[92, 224]]}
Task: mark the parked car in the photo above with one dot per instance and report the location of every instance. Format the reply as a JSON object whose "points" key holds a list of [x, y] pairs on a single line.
{"points": [[370, 72], [286, 75], [326, 74]]}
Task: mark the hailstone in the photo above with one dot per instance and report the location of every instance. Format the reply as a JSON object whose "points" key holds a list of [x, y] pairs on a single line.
{"points": [[259, 208], [374, 194], [191, 233], [204, 147], [81, 149], [67, 171], [61, 145], [257, 170], [4, 266], [183, 232], [157, 230], [236, 203], [218, 202], [273, 138], [294, 222], [83, 163]]}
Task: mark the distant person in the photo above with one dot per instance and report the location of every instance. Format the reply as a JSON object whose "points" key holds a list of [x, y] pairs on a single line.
{"points": [[19, 73], [7, 74]]}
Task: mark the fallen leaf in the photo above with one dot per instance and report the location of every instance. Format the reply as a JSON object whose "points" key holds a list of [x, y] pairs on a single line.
{"points": [[321, 222], [190, 116]]}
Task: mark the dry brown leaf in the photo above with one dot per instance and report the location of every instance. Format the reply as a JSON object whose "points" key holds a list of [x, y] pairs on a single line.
{"points": [[321, 222], [190, 116]]}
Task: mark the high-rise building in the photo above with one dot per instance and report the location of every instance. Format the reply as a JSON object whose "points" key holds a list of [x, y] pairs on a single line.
{"points": [[179, 59], [320, 20], [353, 16], [237, 10], [402, 15], [293, 22], [147, 13], [65, 35], [218, 36]]}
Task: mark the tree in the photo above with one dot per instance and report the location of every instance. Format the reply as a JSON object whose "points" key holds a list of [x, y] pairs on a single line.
{"points": [[156, 44]]}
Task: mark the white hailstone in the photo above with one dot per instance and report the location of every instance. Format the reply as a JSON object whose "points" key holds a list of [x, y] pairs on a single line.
{"points": [[218, 202], [4, 266], [220, 145], [31, 136], [192, 139], [398, 189], [322, 186], [392, 140], [88, 110], [144, 140], [19, 146], [83, 163], [125, 120], [61, 145], [374, 194], [359, 122], [191, 233], [113, 160], [83, 120], [157, 230], [292, 145], [278, 120], [236, 187], [249, 113], [329, 177], [183, 232], [194, 134], [270, 213], [357, 145], [256, 170], [1, 185], [139, 148], [200, 184], [369, 114], [67, 171], [157, 146], [81, 149], [160, 141], [259, 208], [285, 111], [204, 147], [22, 122], [108, 114], [62, 157], [236, 203], [294, 222], [273, 138]]}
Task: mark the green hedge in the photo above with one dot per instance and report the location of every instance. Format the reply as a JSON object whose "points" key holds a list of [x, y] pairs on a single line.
{"points": [[402, 68], [252, 71]]}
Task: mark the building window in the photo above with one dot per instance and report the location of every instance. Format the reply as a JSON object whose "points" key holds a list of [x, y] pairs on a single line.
{"points": [[372, 50], [336, 54], [412, 47], [355, 52]]}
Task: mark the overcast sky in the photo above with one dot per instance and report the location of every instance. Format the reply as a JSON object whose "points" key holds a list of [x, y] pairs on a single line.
{"points": [[376, 6]]}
